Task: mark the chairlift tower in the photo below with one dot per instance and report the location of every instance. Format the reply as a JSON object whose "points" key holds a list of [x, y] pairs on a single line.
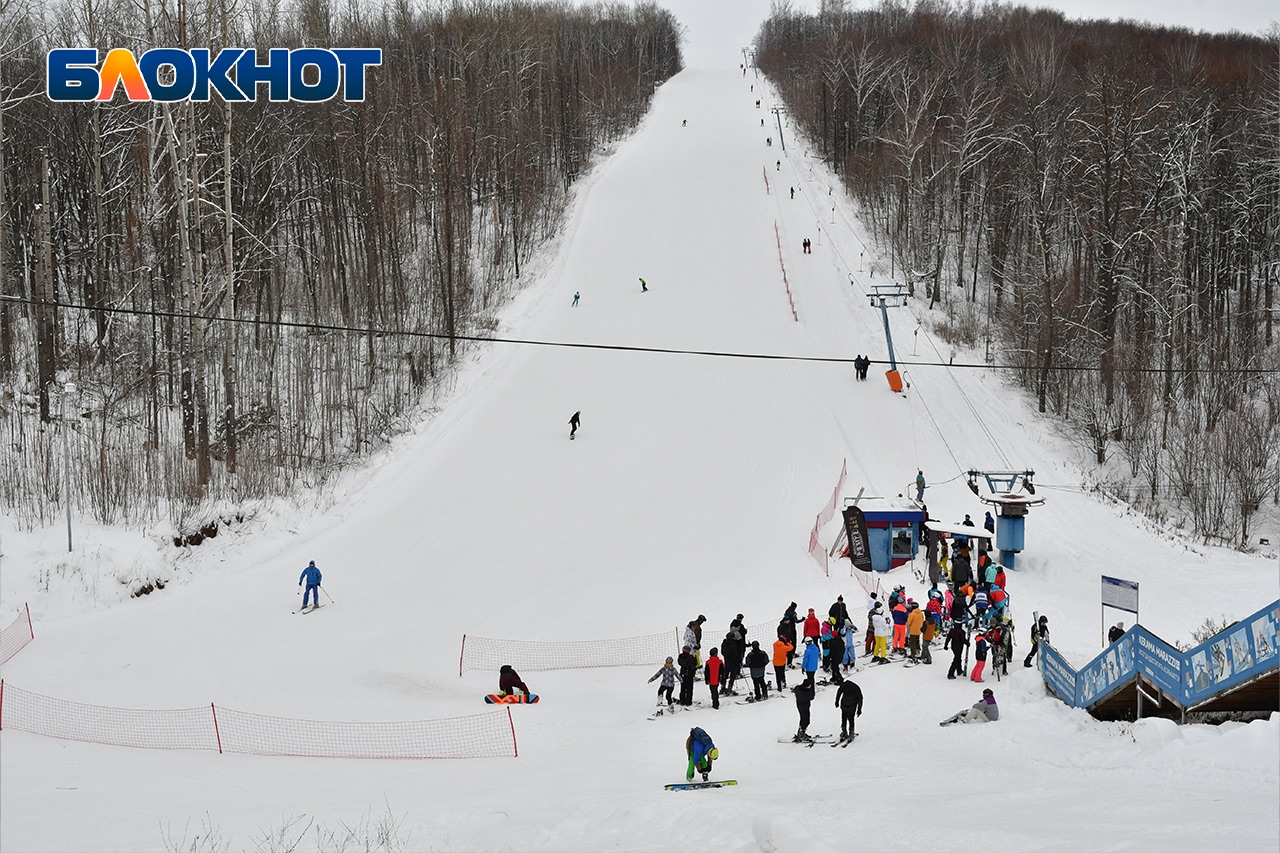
{"points": [[1011, 507], [886, 296]]}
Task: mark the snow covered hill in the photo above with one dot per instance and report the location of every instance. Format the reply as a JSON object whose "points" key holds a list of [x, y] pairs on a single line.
{"points": [[690, 488]]}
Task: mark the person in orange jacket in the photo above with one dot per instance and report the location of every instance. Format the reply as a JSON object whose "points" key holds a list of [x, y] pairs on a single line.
{"points": [[781, 648], [915, 625]]}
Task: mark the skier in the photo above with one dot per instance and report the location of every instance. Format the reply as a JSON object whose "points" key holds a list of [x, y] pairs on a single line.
{"points": [[943, 550], [989, 524], [312, 577], [1039, 634], [509, 681], [733, 648], [711, 674], [850, 633], [915, 626], [778, 167], [979, 657], [980, 603], [1001, 580], [920, 485], [667, 672], [576, 296], [881, 623], [688, 669], [926, 635], [701, 752], [793, 192], [838, 611], [812, 658], [693, 637], [957, 640], [644, 286], [900, 627], [787, 628], [757, 660], [804, 696], [574, 423], [984, 710], [849, 701], [684, 122], [811, 628], [835, 651], [781, 648], [961, 568], [1116, 632], [737, 625]]}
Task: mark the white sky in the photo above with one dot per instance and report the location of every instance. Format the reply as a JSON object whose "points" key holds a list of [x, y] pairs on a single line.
{"points": [[719, 29]]}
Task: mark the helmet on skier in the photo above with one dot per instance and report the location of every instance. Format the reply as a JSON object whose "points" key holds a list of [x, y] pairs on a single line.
{"points": [[808, 641], [987, 692]]}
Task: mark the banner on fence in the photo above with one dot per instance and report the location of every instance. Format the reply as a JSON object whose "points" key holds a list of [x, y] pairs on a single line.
{"points": [[855, 524]]}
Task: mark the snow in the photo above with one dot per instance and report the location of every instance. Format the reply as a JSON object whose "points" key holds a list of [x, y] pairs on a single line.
{"points": [[691, 488]]}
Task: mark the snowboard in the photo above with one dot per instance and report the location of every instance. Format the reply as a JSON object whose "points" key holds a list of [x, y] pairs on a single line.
{"points": [[513, 699], [693, 786], [844, 741]]}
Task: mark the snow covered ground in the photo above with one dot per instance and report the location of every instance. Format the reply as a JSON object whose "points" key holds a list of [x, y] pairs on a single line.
{"points": [[691, 488]]}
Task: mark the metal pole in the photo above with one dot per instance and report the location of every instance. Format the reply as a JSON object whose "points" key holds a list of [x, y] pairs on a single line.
{"points": [[67, 390]]}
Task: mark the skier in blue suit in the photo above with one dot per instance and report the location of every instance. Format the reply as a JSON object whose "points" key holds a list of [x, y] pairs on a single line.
{"points": [[311, 576], [812, 657]]}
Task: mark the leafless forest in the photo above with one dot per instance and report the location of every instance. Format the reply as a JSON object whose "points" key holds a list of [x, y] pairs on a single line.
{"points": [[222, 282], [1096, 203]]}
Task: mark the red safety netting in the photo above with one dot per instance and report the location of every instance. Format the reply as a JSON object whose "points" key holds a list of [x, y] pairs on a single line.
{"points": [[15, 636], [228, 730]]}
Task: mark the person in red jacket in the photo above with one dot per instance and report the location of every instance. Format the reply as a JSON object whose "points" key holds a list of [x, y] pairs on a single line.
{"points": [[711, 673], [1000, 578], [811, 627]]}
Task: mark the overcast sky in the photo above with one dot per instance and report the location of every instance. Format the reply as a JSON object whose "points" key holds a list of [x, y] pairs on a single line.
{"points": [[717, 30]]}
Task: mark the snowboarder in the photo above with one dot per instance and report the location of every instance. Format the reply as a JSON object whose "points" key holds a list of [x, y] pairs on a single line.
{"points": [[1039, 634], [757, 660], [667, 672], [957, 641], [778, 166], [812, 658], [684, 123], [701, 752], [781, 648], [509, 682], [1116, 632], [984, 710], [644, 286], [574, 423], [805, 692], [688, 669], [849, 701], [711, 674], [311, 575], [979, 658], [920, 485], [576, 296]]}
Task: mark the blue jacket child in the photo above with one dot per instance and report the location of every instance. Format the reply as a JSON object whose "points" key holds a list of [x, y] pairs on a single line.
{"points": [[310, 575]]}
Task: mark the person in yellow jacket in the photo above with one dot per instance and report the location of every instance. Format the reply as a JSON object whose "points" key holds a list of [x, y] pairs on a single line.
{"points": [[781, 648], [915, 625]]}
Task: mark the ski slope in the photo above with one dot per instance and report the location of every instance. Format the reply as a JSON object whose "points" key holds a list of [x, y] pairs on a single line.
{"points": [[691, 488]]}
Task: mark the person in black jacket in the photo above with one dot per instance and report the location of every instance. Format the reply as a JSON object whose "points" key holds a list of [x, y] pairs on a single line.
{"points": [[961, 568], [804, 696], [1039, 633], [509, 682], [849, 701], [756, 661], [1116, 632], [787, 627], [688, 669], [732, 647], [839, 611], [957, 641]]}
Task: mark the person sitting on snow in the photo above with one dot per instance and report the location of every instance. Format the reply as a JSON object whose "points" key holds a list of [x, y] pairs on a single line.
{"points": [[984, 710]]}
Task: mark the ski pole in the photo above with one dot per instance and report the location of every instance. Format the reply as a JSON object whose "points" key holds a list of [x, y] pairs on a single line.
{"points": [[327, 595]]}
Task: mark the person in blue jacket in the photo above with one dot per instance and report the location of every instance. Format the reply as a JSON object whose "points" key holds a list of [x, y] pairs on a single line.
{"points": [[311, 576], [701, 751], [812, 658]]}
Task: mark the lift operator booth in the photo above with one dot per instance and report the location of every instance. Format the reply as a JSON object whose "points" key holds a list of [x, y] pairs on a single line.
{"points": [[892, 530]]}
